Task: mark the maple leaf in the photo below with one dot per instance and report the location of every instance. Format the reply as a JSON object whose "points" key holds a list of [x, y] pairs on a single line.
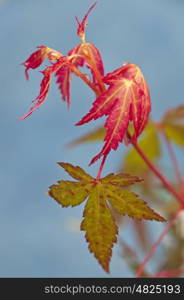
{"points": [[127, 99], [98, 221], [83, 54], [37, 58], [63, 80], [173, 125], [82, 25], [45, 85], [93, 60], [63, 74], [89, 53], [99, 226]]}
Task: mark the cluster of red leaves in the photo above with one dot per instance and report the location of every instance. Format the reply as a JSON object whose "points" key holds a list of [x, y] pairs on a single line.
{"points": [[126, 98]]}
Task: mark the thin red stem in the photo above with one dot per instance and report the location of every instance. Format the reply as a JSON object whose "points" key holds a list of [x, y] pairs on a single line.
{"points": [[173, 158], [167, 185], [157, 243], [83, 77], [101, 167]]}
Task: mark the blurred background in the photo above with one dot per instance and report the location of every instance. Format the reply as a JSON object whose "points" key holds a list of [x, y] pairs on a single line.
{"points": [[38, 237]]}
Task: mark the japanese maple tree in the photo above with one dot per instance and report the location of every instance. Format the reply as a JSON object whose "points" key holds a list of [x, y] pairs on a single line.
{"points": [[123, 97]]}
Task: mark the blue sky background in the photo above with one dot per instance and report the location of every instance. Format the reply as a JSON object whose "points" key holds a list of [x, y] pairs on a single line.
{"points": [[37, 235]]}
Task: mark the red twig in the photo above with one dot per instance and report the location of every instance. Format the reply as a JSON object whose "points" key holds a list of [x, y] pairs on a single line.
{"points": [[173, 157], [101, 167], [83, 77], [167, 185], [157, 243]]}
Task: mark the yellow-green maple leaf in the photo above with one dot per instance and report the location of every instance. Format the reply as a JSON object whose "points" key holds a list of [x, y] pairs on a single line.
{"points": [[100, 227], [127, 203], [173, 125], [98, 222], [76, 172]]}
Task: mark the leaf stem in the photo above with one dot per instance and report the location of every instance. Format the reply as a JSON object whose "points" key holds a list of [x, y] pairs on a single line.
{"points": [[83, 77], [157, 243], [167, 185], [101, 167], [173, 157]]}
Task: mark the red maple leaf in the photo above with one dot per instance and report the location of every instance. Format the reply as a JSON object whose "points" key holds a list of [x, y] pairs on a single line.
{"points": [[127, 99], [45, 85], [83, 54], [63, 74], [93, 61], [82, 25], [37, 58]]}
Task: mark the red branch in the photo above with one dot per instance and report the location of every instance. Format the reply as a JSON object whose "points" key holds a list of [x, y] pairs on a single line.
{"points": [[167, 185], [101, 167], [157, 243], [173, 158]]}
